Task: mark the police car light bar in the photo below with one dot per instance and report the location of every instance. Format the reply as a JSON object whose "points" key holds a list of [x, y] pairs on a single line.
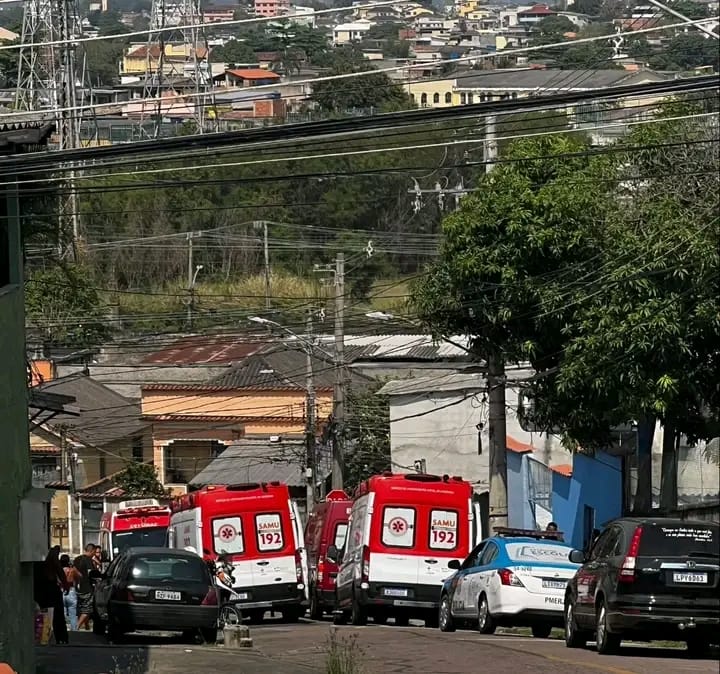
{"points": [[528, 533]]}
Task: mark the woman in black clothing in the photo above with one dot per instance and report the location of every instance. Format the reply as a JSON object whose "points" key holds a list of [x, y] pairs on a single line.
{"points": [[53, 584]]}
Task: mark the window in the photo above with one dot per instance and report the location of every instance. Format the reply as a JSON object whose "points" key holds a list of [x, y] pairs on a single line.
{"points": [[340, 535], [167, 567], [228, 535], [529, 553], [474, 557], [679, 540], [398, 527], [448, 97], [436, 98], [423, 99], [137, 449], [150, 537], [470, 98], [463, 99], [603, 544], [268, 529], [443, 529], [491, 551]]}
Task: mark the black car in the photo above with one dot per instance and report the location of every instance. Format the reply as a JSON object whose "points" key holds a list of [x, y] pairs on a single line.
{"points": [[157, 589], [646, 578]]}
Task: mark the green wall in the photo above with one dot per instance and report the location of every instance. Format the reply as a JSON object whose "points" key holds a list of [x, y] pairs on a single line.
{"points": [[16, 595]]}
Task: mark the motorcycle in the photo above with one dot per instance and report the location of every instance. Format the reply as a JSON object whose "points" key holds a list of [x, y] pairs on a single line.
{"points": [[221, 571]]}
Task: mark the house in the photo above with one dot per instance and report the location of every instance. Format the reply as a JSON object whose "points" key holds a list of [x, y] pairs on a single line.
{"points": [[271, 7], [22, 543], [247, 77], [140, 59], [346, 33], [243, 104], [8, 35], [216, 14], [529, 16], [263, 396]]}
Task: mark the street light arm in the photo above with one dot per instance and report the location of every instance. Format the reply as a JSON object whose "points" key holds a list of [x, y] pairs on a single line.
{"points": [[309, 346]]}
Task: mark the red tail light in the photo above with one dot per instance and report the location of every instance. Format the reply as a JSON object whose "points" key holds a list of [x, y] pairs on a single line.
{"points": [[125, 595], [627, 570], [507, 577], [366, 564], [298, 566], [211, 598], [320, 570]]}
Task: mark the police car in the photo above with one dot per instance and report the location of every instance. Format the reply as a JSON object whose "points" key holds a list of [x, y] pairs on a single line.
{"points": [[515, 578]]}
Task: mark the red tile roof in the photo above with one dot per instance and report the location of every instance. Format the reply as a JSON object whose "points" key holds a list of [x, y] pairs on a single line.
{"points": [[519, 447], [45, 450], [537, 9], [254, 74], [210, 418], [204, 349], [564, 469]]}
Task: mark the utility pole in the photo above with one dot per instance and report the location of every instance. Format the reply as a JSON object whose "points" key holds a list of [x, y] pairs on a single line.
{"points": [[496, 391], [310, 455], [338, 464], [266, 249], [63, 455], [192, 275]]}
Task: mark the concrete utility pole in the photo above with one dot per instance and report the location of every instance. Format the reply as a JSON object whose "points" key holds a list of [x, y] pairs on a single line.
{"points": [[310, 455], [63, 455], [258, 224], [192, 276], [496, 391], [338, 465]]}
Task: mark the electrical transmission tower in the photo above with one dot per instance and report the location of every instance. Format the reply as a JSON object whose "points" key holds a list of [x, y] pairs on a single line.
{"points": [[178, 58], [51, 85]]}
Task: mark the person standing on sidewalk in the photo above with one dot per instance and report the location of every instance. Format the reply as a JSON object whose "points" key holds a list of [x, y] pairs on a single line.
{"points": [[70, 599], [84, 565], [54, 586]]}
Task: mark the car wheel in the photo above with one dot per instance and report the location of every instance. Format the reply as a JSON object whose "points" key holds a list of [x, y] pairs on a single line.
{"points": [[358, 614], [340, 618], [606, 642], [697, 647], [316, 611], [486, 624], [541, 631], [209, 635], [445, 617], [574, 638]]}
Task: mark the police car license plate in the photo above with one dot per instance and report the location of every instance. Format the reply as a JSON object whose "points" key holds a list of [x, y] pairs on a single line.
{"points": [[168, 596], [554, 584], [395, 592]]}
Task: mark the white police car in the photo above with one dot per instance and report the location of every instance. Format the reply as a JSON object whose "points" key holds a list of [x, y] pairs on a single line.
{"points": [[515, 578]]}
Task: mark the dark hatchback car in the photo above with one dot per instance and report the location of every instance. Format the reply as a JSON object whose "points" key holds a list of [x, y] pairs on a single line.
{"points": [[645, 579], [157, 589]]}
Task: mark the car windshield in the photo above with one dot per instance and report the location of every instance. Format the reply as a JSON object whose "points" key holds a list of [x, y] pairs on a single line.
{"points": [[151, 537], [679, 540], [164, 567], [528, 553]]}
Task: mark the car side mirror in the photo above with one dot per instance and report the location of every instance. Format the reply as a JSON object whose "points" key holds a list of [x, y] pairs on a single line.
{"points": [[333, 554], [454, 564], [577, 557]]}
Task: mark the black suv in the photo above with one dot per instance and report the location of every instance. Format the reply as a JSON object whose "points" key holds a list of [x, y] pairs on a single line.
{"points": [[646, 578]]}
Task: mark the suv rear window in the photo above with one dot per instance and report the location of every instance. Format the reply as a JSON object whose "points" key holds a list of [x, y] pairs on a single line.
{"points": [[167, 567], [678, 540]]}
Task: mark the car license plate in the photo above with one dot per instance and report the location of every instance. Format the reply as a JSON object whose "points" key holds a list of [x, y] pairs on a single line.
{"points": [[240, 596], [395, 592], [689, 577], [169, 596], [554, 584]]}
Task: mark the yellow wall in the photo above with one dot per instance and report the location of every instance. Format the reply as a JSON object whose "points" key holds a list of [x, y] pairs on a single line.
{"points": [[440, 87]]}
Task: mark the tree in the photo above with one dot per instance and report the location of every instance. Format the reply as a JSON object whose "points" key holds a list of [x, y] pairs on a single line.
{"points": [[233, 52], [63, 302], [368, 435], [552, 29], [686, 51], [360, 93], [102, 61], [9, 60], [140, 479]]}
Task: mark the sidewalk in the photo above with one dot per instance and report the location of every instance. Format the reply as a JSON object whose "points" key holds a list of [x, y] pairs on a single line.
{"points": [[89, 654]]}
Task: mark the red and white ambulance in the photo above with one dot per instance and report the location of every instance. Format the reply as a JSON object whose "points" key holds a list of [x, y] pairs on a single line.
{"points": [[404, 529], [136, 523], [258, 526]]}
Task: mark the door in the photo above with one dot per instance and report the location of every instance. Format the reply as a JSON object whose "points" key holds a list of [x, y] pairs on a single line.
{"points": [[396, 561], [481, 579], [229, 537], [350, 568], [272, 535], [444, 542], [103, 587], [592, 573], [300, 548], [461, 595]]}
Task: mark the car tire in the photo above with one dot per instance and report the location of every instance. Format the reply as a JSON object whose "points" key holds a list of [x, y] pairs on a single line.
{"points": [[485, 623], [340, 618], [574, 637], [606, 642], [541, 631], [445, 619], [316, 611], [697, 647], [209, 635], [358, 614]]}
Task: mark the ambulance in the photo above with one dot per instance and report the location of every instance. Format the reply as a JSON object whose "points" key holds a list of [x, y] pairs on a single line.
{"points": [[403, 531], [258, 527], [136, 523]]}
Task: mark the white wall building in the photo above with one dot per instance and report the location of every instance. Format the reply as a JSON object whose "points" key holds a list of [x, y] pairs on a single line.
{"points": [[345, 33]]}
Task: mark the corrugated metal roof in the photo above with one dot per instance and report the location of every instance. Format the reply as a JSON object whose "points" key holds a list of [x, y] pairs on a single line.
{"points": [[442, 382], [256, 461], [200, 349], [403, 347]]}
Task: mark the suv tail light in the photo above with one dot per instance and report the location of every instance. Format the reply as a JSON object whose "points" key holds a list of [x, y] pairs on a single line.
{"points": [[211, 598], [627, 570], [507, 577], [124, 595], [298, 566], [366, 564], [321, 569]]}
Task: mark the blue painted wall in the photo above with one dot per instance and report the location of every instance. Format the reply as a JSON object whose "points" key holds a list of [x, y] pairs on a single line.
{"points": [[596, 482], [519, 512]]}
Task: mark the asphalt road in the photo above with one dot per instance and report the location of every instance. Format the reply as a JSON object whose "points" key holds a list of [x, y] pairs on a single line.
{"points": [[297, 649]]}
